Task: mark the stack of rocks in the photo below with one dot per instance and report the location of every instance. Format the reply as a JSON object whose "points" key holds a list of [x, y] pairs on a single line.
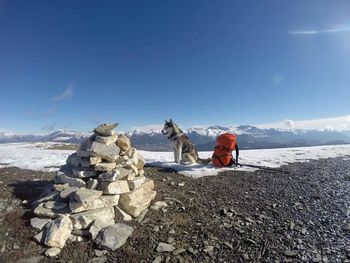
{"points": [[101, 184]]}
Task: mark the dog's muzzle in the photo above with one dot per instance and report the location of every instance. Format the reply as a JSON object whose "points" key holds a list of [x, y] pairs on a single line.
{"points": [[164, 132]]}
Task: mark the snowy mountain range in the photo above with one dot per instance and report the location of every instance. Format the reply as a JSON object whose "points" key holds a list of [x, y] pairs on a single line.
{"points": [[249, 137]]}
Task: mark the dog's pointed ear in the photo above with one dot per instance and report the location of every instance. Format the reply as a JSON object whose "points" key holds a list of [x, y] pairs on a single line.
{"points": [[166, 121], [171, 121]]}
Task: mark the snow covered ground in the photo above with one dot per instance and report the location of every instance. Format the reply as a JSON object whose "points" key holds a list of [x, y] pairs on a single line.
{"points": [[36, 156]]}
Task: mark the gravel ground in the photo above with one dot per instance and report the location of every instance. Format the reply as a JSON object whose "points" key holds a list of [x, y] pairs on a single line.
{"points": [[261, 216]]}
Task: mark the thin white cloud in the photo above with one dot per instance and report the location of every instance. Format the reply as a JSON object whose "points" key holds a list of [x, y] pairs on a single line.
{"points": [[66, 94], [341, 123], [323, 31]]}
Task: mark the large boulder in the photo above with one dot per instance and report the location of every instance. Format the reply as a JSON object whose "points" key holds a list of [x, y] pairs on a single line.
{"points": [[114, 236], [137, 200], [58, 231]]}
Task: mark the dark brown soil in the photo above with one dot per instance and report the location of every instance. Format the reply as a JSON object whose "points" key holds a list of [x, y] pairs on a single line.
{"points": [[258, 216]]}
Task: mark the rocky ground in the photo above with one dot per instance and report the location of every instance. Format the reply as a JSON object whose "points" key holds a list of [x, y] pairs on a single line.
{"points": [[261, 216]]}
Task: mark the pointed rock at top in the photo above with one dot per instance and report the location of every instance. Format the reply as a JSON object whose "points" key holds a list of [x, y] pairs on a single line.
{"points": [[105, 128]]}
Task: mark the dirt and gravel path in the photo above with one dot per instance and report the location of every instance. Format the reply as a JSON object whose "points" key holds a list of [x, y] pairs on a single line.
{"points": [[257, 216]]}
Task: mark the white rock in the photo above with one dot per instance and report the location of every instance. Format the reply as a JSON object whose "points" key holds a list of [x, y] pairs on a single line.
{"points": [[165, 247], [39, 223], [103, 201], [75, 238], [121, 215], [83, 172], [158, 205], [86, 195], [123, 143], [106, 139], [117, 174], [107, 152], [116, 187], [61, 178], [99, 224], [58, 231], [52, 252], [39, 237], [105, 166], [84, 219], [136, 182], [138, 199], [95, 160], [114, 236]]}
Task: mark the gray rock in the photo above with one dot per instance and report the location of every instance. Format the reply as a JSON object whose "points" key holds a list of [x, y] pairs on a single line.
{"points": [[55, 205], [105, 128], [157, 259], [99, 224], [52, 252], [107, 152], [95, 160], [290, 253], [67, 192], [123, 143], [117, 174], [49, 197], [61, 178], [41, 211], [39, 223], [158, 205], [84, 154], [136, 182], [121, 215], [92, 184], [40, 237], [104, 166], [165, 247], [114, 236]]}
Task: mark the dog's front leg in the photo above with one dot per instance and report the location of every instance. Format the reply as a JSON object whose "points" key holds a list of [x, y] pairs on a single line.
{"points": [[175, 155], [179, 153]]}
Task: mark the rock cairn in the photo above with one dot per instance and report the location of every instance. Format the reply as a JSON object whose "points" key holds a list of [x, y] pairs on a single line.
{"points": [[102, 185]]}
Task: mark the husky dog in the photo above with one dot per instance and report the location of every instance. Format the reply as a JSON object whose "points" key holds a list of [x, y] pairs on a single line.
{"points": [[184, 151]]}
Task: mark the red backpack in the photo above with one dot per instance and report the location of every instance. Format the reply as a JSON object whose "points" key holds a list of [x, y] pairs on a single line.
{"points": [[225, 144]]}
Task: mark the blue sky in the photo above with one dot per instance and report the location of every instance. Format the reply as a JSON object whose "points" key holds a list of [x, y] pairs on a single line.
{"points": [[74, 64]]}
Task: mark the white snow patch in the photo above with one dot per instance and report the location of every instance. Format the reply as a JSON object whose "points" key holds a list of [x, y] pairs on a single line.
{"points": [[36, 156]]}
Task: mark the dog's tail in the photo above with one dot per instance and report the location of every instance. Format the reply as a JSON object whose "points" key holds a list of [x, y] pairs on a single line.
{"points": [[203, 161]]}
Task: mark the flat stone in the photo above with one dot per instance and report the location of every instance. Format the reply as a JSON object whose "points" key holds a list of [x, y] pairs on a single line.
{"points": [[68, 192], [99, 224], [121, 215], [52, 252], [114, 236], [95, 160], [86, 195], [107, 152], [136, 182], [106, 139], [49, 197], [92, 184], [39, 237], [290, 253], [138, 199], [41, 211], [83, 172], [116, 187], [165, 247], [101, 202], [103, 167], [55, 205], [58, 231], [123, 143], [117, 174], [39, 223], [104, 128], [61, 178], [84, 219], [157, 205]]}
